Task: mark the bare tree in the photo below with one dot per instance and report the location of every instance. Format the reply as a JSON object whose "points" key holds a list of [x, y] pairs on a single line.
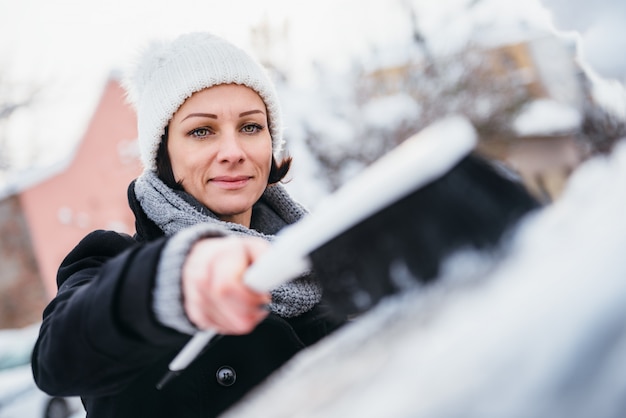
{"points": [[466, 83], [601, 128]]}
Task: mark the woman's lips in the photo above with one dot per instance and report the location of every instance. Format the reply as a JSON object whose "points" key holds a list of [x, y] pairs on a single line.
{"points": [[230, 182]]}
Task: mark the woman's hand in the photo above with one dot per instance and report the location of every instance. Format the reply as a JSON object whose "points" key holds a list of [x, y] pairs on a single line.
{"points": [[213, 290]]}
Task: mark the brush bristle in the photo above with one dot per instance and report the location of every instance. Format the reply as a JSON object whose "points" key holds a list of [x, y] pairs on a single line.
{"points": [[471, 206]]}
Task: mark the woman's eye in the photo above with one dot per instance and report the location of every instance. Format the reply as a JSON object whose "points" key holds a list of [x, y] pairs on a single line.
{"points": [[200, 132], [252, 128]]}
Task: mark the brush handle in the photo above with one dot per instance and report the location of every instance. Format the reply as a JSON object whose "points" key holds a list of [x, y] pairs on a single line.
{"points": [[191, 350]]}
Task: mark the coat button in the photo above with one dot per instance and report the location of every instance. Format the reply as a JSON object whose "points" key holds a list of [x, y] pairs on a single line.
{"points": [[226, 376]]}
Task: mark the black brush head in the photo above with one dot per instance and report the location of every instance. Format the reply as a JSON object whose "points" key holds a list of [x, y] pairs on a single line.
{"points": [[471, 206]]}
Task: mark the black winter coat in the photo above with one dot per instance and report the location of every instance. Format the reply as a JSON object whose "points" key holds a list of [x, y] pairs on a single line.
{"points": [[100, 339]]}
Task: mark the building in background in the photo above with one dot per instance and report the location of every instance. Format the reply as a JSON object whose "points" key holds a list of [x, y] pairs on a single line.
{"points": [[22, 293], [525, 98], [46, 214], [544, 144]]}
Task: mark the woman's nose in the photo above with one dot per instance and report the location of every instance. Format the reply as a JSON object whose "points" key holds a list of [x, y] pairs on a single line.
{"points": [[230, 149]]}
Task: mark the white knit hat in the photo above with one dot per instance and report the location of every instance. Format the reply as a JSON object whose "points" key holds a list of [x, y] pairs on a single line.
{"points": [[167, 73]]}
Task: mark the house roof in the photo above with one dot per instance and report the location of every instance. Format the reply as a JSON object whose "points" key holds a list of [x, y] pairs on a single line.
{"points": [[20, 179]]}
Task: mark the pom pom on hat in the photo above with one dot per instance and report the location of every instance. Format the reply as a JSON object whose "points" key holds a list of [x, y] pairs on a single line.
{"points": [[168, 73]]}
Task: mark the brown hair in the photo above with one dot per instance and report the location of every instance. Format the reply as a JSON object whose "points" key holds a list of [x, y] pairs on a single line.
{"points": [[164, 171]]}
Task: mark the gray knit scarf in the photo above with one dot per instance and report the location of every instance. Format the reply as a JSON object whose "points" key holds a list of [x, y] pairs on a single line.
{"points": [[174, 211]]}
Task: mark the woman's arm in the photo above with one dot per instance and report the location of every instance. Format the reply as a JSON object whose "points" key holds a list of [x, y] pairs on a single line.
{"points": [[86, 346], [103, 327]]}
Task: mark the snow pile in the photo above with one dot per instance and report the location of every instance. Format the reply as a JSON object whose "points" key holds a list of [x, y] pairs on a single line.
{"points": [[600, 27], [545, 117], [389, 111], [17, 345]]}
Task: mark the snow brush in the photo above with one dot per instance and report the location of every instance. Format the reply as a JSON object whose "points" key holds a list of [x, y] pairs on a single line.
{"points": [[410, 208]]}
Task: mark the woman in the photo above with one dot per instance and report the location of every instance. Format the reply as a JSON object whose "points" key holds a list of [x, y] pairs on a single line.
{"points": [[206, 206]]}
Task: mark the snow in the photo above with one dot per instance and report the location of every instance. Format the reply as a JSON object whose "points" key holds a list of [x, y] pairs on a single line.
{"points": [[599, 30], [16, 346], [599, 26], [450, 25], [545, 117], [391, 110]]}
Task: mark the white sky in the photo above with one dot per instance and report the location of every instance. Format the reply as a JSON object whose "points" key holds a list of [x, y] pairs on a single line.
{"points": [[40, 37]]}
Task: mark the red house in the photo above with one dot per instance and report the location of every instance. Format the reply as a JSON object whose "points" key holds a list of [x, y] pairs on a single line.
{"points": [[88, 193]]}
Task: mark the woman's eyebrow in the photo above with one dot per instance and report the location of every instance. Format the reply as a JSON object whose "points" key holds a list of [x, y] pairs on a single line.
{"points": [[250, 112], [202, 115]]}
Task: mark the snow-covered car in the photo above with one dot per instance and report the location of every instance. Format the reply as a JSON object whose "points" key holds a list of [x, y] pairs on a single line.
{"points": [[19, 396]]}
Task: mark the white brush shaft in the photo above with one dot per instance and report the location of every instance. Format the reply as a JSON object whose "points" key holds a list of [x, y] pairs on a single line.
{"points": [[191, 350]]}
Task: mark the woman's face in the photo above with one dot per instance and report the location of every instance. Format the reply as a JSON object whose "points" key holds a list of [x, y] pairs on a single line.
{"points": [[220, 149]]}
